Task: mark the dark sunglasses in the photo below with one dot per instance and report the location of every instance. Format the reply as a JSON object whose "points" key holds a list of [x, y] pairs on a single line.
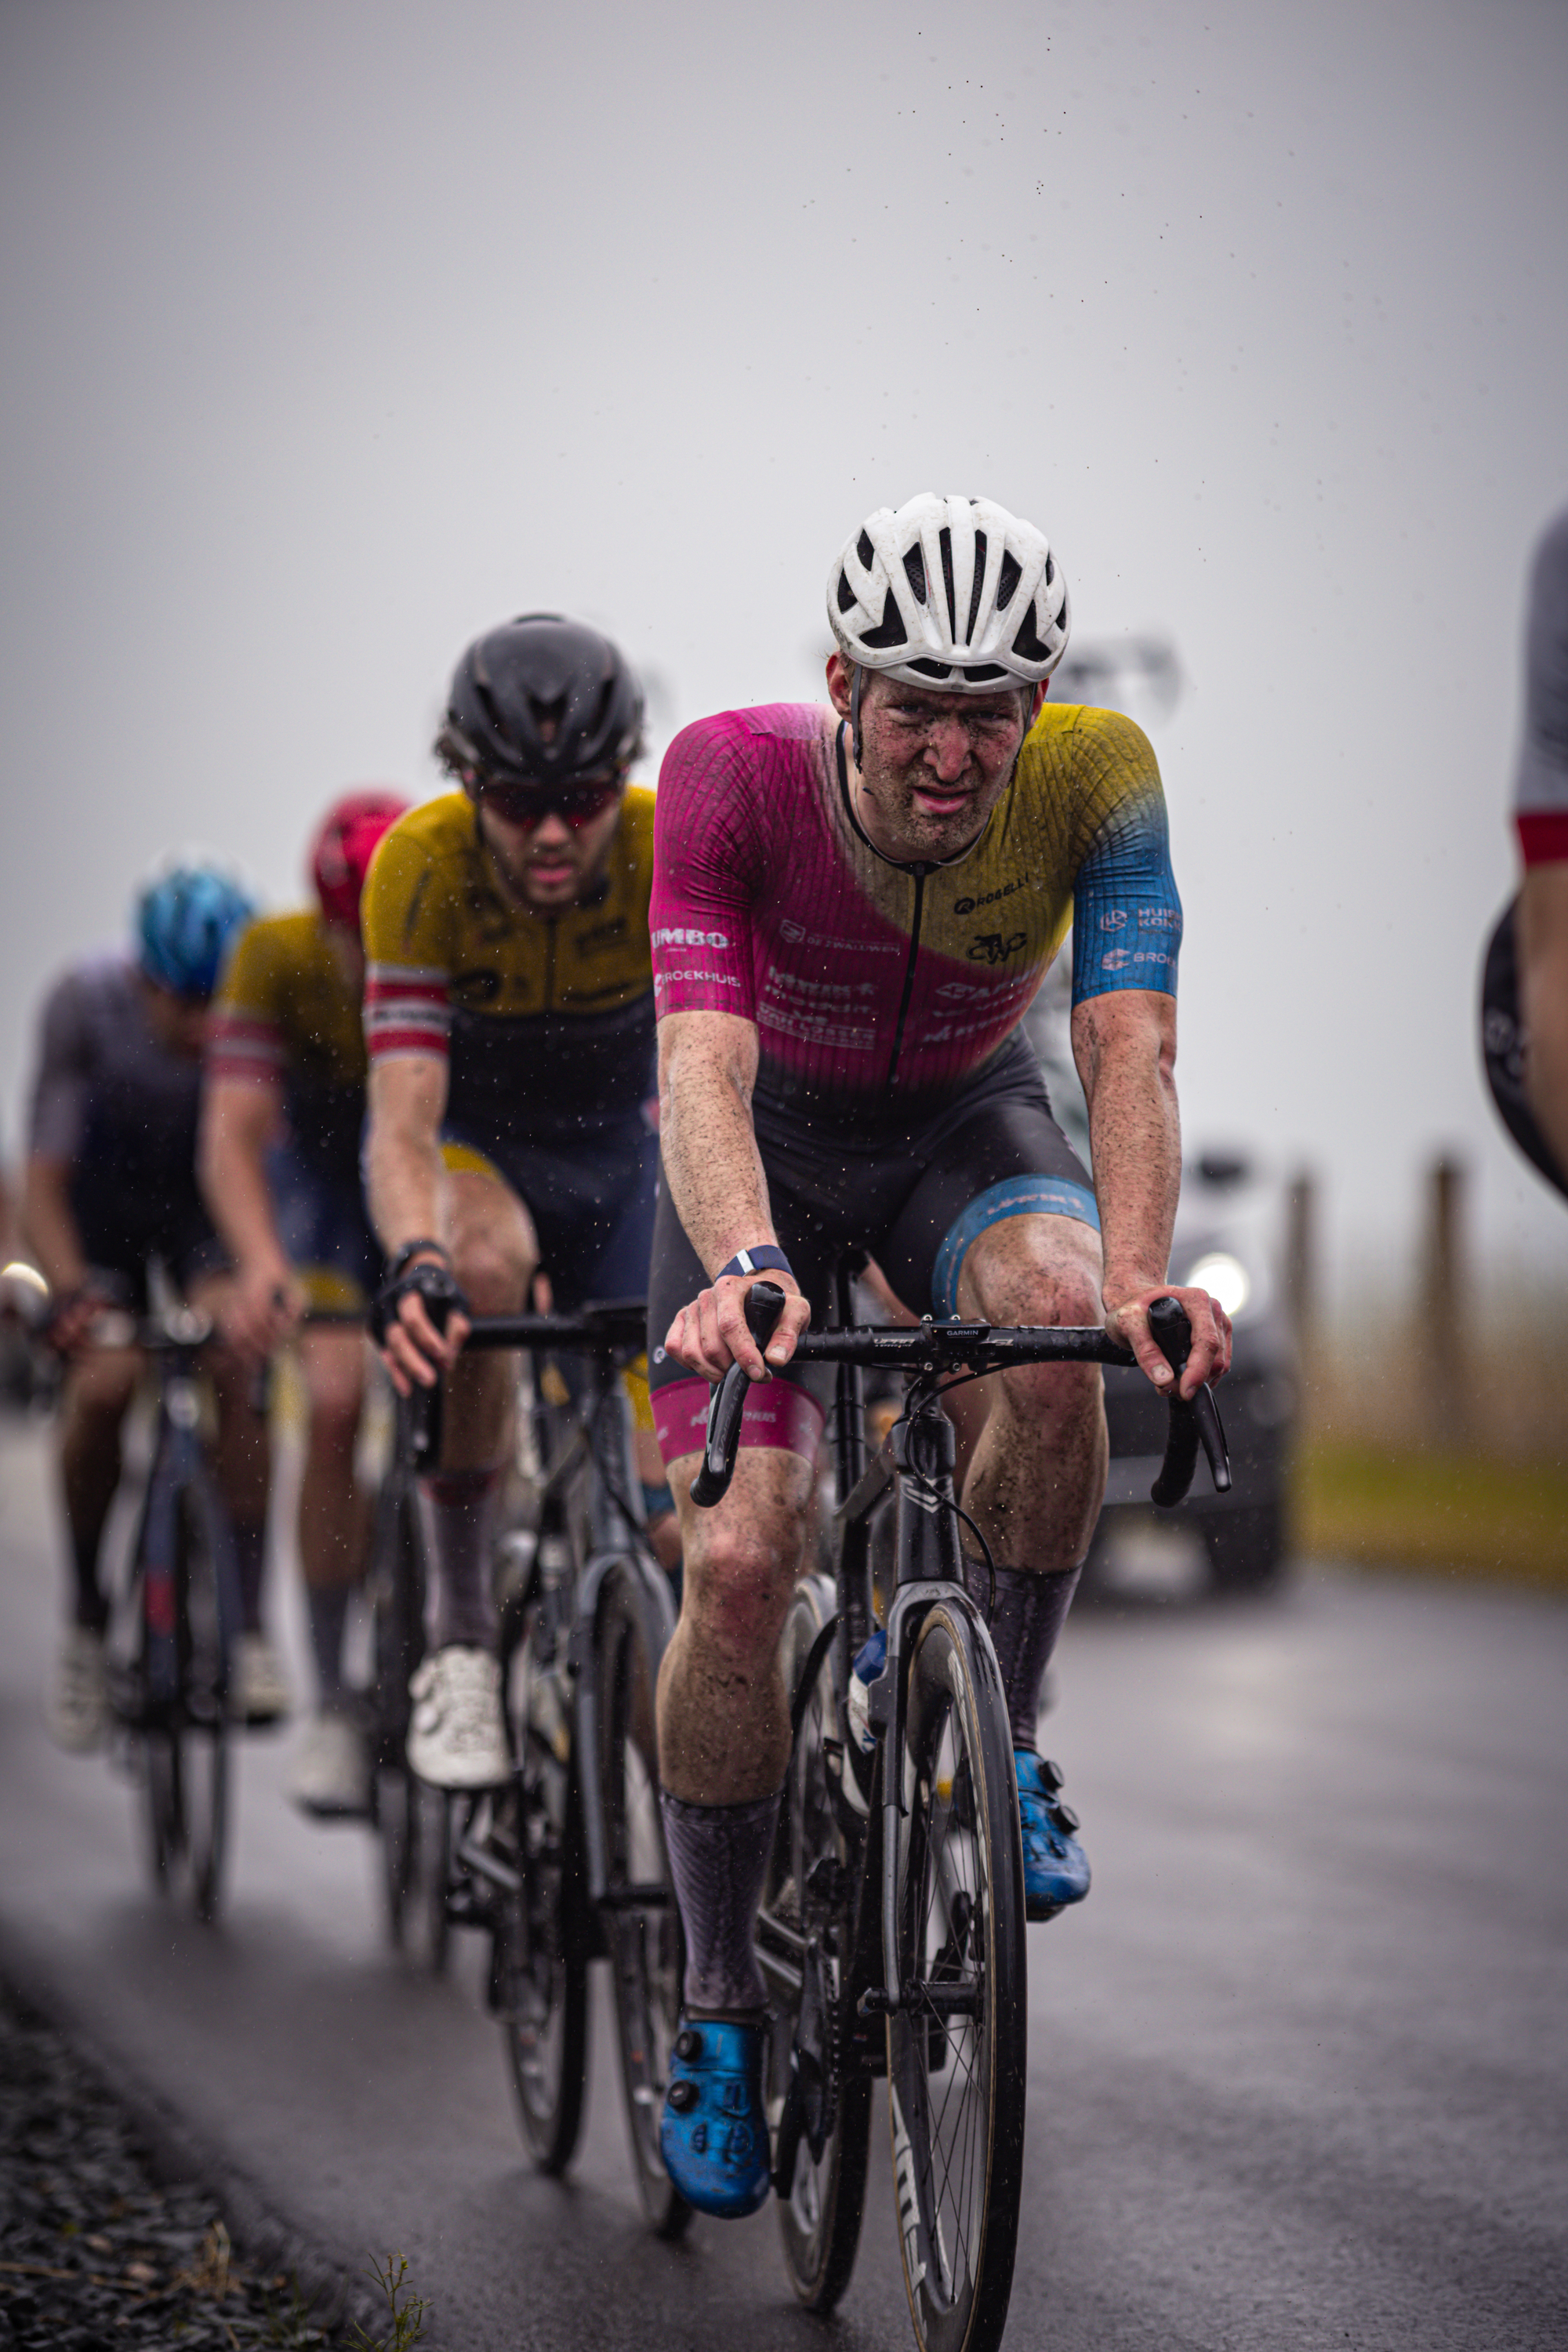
{"points": [[574, 805]]}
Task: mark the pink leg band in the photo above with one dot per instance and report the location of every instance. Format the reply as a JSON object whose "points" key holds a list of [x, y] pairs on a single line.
{"points": [[778, 1413]]}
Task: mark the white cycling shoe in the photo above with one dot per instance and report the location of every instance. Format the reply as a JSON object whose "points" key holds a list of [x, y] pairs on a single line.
{"points": [[329, 1775], [259, 1694], [455, 1737], [77, 1711]]}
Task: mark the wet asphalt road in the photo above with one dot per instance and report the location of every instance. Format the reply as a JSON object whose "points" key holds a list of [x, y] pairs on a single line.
{"points": [[1298, 2073]]}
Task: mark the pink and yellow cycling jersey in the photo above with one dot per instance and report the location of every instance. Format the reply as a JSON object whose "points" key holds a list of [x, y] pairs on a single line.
{"points": [[883, 987]]}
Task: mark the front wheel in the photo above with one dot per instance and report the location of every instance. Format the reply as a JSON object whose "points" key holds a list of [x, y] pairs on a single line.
{"points": [[821, 2112], [647, 1957], [956, 2048], [542, 1962]]}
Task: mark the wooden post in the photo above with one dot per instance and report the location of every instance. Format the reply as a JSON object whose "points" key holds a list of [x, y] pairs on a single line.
{"points": [[1444, 1336]]}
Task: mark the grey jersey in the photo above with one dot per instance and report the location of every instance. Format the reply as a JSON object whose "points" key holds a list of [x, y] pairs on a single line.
{"points": [[109, 1098]]}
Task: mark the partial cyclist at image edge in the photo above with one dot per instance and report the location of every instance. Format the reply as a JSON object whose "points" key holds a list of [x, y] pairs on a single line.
{"points": [[282, 1118], [110, 1187], [852, 910], [1524, 979], [508, 1018]]}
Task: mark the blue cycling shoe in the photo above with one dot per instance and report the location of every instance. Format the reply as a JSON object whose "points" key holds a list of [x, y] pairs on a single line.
{"points": [[713, 2133], [1055, 1867]]}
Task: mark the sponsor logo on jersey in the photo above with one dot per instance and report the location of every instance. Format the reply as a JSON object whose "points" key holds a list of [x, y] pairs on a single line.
{"points": [[1119, 959], [798, 936], [989, 897], [1113, 919], [1159, 919], [994, 947], [677, 935]]}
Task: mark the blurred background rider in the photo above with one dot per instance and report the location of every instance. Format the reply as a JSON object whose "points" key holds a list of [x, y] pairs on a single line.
{"points": [[110, 1186], [283, 1110]]}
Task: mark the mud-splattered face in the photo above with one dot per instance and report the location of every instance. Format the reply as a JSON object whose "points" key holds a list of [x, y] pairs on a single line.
{"points": [[933, 766]]}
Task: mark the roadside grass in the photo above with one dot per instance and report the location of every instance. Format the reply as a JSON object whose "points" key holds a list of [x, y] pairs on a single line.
{"points": [[1464, 1514]]}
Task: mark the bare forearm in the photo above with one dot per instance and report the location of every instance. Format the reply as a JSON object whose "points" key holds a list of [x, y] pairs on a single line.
{"points": [[49, 1227], [404, 1185], [1135, 1135], [403, 1159], [232, 1165], [713, 1167]]}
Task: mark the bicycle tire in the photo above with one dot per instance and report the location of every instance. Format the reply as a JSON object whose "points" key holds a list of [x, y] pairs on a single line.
{"points": [[204, 1732], [395, 1587], [162, 1803], [647, 1957], [543, 1962], [820, 2216], [958, 2160]]}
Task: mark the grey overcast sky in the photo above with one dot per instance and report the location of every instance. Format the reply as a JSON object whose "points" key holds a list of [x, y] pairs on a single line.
{"points": [[333, 334]]}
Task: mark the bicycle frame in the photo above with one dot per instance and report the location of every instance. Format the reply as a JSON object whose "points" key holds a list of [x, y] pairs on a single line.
{"points": [[919, 1458]]}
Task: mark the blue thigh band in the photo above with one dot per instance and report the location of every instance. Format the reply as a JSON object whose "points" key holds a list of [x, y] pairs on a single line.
{"points": [[1016, 1196]]}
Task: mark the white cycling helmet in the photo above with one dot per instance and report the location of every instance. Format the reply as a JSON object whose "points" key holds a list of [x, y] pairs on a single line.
{"points": [[949, 593]]}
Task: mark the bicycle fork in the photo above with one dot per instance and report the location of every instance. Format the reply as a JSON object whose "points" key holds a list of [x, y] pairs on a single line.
{"points": [[931, 1571]]}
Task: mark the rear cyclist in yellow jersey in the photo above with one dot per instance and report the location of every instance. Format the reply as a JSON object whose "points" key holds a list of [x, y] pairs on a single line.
{"points": [[508, 1017], [281, 1120]]}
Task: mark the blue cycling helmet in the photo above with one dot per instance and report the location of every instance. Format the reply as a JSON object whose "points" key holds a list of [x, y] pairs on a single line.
{"points": [[187, 921]]}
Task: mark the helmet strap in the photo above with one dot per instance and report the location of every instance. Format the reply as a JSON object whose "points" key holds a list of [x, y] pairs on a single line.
{"points": [[857, 739]]}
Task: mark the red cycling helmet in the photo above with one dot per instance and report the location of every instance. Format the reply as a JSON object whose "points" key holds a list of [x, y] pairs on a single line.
{"points": [[342, 849]]}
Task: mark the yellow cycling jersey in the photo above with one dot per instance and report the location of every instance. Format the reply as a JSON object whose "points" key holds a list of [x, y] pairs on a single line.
{"points": [[546, 1019], [286, 1015]]}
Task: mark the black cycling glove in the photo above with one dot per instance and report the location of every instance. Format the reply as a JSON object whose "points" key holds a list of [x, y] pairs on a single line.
{"points": [[436, 1284]]}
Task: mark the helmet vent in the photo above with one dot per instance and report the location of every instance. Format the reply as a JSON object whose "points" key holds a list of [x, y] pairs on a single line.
{"points": [[845, 594], [944, 540], [979, 582], [865, 551], [932, 669], [1027, 644], [889, 630], [977, 672], [1008, 579], [915, 572], [548, 715]]}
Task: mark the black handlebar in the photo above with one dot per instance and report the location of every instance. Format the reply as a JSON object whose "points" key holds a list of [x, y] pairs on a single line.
{"points": [[937, 1348]]}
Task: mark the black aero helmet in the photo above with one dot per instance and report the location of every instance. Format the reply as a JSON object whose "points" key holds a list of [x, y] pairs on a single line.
{"points": [[541, 699]]}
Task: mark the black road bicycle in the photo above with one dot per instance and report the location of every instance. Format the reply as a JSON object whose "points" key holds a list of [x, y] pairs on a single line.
{"points": [[180, 1618], [566, 1862], [891, 1928]]}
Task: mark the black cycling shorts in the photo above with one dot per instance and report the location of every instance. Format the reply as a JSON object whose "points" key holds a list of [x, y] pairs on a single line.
{"points": [[915, 1200]]}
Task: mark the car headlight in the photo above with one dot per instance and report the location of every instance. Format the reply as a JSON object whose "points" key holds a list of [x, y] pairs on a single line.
{"points": [[1223, 1277]]}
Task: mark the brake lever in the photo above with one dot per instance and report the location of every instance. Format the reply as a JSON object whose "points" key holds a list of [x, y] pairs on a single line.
{"points": [[1194, 1421], [727, 1401]]}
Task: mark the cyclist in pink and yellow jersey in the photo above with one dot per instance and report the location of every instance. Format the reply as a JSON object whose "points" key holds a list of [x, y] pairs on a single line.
{"points": [[853, 907]]}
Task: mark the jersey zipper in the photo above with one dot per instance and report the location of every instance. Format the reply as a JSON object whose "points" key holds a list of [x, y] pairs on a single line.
{"points": [[920, 872]]}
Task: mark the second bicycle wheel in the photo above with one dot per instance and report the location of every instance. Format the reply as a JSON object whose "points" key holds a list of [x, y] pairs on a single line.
{"points": [[956, 2049], [205, 1570], [542, 1969], [647, 1954], [824, 2109]]}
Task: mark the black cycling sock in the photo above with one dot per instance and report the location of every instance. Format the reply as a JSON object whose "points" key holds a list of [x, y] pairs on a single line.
{"points": [[458, 1510], [1025, 1622], [89, 1604], [250, 1552], [328, 1605], [718, 1859]]}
